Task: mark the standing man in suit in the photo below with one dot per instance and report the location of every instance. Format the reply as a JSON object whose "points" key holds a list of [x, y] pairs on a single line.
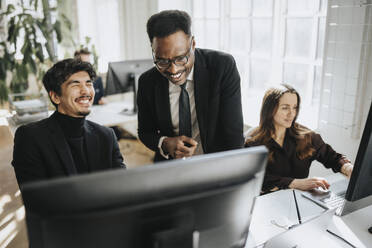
{"points": [[190, 102], [65, 144]]}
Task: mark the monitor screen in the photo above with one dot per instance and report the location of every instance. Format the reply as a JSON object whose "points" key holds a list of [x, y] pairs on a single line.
{"points": [[120, 75], [203, 201], [360, 185]]}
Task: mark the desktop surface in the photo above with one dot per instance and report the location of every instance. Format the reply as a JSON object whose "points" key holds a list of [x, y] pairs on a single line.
{"points": [[274, 212]]}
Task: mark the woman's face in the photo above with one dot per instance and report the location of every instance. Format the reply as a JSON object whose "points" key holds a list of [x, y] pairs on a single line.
{"points": [[287, 111]]}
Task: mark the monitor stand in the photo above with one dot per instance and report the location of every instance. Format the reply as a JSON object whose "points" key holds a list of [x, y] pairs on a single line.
{"points": [[134, 81]]}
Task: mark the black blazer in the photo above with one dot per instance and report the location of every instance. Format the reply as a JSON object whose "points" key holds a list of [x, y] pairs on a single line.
{"points": [[217, 102], [41, 150]]}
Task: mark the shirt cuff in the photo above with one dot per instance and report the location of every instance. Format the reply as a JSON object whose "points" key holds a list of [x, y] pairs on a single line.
{"points": [[161, 149]]}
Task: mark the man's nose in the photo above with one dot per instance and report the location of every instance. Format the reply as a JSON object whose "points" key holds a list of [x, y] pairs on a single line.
{"points": [[83, 88], [172, 68]]}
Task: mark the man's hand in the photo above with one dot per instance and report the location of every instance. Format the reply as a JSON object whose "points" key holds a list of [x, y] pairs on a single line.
{"points": [[309, 183], [347, 169], [102, 101], [179, 147]]}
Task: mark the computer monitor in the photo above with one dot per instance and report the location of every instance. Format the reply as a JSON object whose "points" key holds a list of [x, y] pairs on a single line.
{"points": [[123, 77], [359, 191], [203, 201]]}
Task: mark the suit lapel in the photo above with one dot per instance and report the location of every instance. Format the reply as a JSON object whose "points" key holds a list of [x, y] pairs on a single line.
{"points": [[163, 106], [92, 145], [201, 84], [61, 145]]}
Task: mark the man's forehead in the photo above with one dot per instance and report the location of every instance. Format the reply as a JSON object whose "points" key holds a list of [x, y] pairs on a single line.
{"points": [[169, 49], [80, 75]]}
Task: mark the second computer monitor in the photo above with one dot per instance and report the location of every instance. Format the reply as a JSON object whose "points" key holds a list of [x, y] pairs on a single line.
{"points": [[120, 74], [123, 77]]}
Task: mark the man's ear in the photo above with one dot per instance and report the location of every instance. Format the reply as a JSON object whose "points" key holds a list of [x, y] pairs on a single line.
{"points": [[54, 97]]}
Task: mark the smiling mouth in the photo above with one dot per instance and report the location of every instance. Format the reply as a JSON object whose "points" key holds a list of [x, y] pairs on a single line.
{"points": [[83, 99], [175, 77]]}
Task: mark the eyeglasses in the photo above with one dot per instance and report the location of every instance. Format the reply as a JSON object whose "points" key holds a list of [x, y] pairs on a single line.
{"points": [[178, 61]]}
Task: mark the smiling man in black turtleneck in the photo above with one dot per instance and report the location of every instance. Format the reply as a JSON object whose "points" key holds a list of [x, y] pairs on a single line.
{"points": [[65, 143]]}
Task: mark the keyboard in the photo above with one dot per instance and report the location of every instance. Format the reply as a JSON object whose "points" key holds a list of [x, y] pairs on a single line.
{"points": [[333, 201]]}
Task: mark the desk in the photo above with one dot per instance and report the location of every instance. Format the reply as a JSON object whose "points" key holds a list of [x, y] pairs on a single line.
{"points": [[110, 114], [280, 207], [107, 115]]}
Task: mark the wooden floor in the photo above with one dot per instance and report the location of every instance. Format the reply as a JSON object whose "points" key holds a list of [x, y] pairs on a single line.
{"points": [[12, 215]]}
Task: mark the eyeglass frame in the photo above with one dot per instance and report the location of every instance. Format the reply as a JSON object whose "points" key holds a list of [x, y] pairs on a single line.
{"points": [[170, 61]]}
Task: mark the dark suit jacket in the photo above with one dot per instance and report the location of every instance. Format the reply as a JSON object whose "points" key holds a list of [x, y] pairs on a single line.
{"points": [[98, 90], [217, 102], [41, 150]]}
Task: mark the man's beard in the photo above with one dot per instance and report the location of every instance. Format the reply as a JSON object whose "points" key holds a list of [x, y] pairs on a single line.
{"points": [[84, 113]]}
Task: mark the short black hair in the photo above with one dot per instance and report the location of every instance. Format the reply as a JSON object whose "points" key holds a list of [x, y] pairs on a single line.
{"points": [[81, 51], [168, 22], [62, 70]]}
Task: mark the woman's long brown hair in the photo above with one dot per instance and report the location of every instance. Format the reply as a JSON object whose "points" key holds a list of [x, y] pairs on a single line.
{"points": [[263, 133]]}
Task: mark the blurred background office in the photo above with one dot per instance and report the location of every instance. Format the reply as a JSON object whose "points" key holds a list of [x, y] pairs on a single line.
{"points": [[322, 48]]}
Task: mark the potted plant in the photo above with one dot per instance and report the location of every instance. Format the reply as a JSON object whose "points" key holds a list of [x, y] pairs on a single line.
{"points": [[29, 46]]}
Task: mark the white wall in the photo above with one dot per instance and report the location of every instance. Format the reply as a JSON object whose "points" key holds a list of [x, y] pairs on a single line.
{"points": [[347, 78], [135, 14]]}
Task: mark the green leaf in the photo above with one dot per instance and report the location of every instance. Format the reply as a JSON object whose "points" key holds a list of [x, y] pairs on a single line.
{"points": [[57, 28], [50, 53], [42, 27], [3, 91], [11, 28], [87, 40], [39, 52], [35, 4], [2, 69], [25, 48], [67, 22], [22, 72], [14, 37], [10, 9], [32, 65]]}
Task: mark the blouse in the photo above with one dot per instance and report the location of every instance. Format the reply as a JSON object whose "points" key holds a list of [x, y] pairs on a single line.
{"points": [[287, 166]]}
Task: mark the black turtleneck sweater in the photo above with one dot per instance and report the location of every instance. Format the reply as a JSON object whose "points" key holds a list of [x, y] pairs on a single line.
{"points": [[73, 129]]}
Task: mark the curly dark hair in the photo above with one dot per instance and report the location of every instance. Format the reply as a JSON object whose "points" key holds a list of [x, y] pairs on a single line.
{"points": [[168, 22], [62, 70]]}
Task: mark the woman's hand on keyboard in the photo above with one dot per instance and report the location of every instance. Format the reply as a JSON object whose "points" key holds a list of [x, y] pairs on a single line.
{"points": [[309, 183]]}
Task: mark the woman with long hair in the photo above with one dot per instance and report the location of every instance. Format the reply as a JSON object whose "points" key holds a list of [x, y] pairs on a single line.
{"points": [[292, 147]]}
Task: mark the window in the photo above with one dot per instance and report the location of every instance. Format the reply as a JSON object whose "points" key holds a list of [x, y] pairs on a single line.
{"points": [[100, 21], [272, 42]]}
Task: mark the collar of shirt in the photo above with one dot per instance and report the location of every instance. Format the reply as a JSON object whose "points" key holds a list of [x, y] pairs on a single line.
{"points": [[289, 145]]}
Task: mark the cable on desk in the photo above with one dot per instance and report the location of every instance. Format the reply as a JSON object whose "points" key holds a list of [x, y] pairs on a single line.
{"points": [[337, 236], [298, 211]]}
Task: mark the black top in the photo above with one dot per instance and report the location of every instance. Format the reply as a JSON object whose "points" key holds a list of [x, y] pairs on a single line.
{"points": [[41, 150], [287, 166], [73, 129]]}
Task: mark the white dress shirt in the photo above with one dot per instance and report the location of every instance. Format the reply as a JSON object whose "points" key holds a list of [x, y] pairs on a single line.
{"points": [[174, 94]]}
